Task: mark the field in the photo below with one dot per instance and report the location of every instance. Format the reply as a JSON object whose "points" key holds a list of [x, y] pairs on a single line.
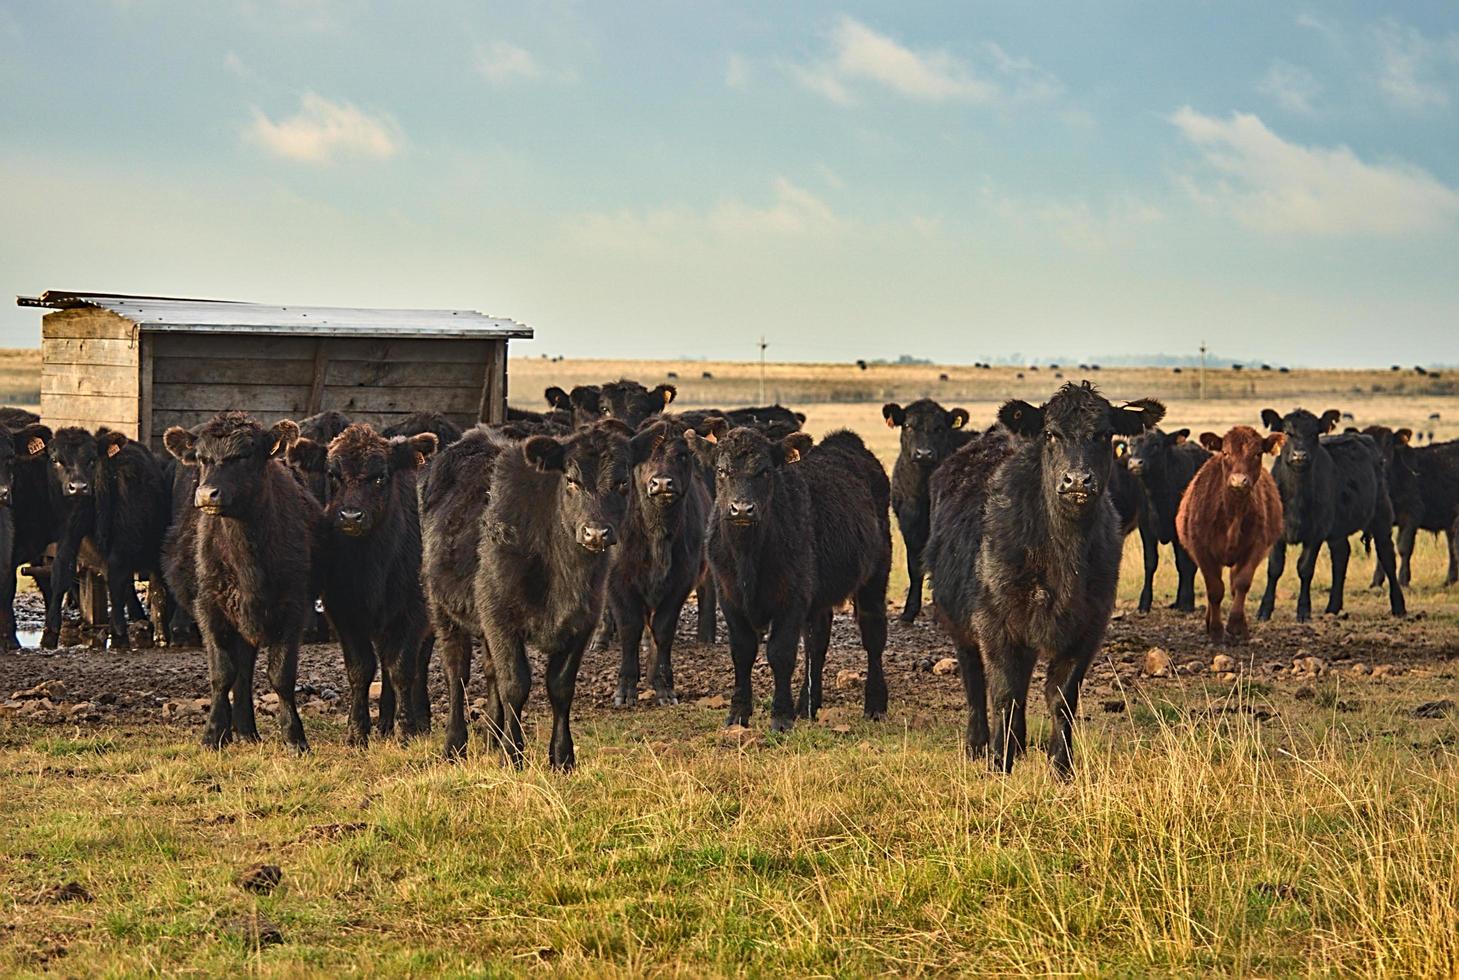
{"points": [[1270, 820]]}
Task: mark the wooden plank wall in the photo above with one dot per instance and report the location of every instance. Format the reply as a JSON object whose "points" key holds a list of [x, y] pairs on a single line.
{"points": [[89, 370], [371, 380]]}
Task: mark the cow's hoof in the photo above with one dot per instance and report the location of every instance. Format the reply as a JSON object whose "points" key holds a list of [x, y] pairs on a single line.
{"points": [[50, 639], [782, 725]]}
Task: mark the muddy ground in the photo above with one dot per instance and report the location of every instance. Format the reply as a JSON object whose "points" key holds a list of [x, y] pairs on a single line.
{"points": [[81, 686]]}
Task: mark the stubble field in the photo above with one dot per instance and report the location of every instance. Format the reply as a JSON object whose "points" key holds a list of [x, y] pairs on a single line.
{"points": [[1266, 820]]}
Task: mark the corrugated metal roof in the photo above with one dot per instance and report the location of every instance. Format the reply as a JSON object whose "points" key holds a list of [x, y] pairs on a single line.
{"points": [[162, 314]]}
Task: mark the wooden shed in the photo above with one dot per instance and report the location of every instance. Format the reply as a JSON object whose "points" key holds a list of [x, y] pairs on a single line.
{"points": [[139, 364]]}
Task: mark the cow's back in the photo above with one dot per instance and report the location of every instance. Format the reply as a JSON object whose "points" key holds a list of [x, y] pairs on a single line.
{"points": [[849, 496]]}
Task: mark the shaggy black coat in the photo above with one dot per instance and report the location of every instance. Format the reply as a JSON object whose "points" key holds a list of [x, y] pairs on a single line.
{"points": [[307, 455], [445, 431], [178, 544], [660, 555], [256, 539], [370, 572], [795, 531], [1165, 463], [1423, 482], [930, 434], [1331, 487], [1024, 558], [27, 520]]}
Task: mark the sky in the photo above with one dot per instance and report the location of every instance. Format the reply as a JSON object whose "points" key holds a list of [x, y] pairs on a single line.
{"points": [[956, 181]]}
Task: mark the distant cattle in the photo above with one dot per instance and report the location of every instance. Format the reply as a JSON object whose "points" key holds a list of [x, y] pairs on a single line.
{"points": [[861, 365], [517, 540], [1024, 557], [942, 377], [27, 519], [1331, 487], [255, 545], [795, 531], [1229, 517], [706, 375], [370, 575], [1423, 483], [445, 431], [930, 434], [1164, 463]]}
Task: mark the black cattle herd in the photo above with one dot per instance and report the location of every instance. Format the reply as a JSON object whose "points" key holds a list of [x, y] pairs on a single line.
{"points": [[603, 512]]}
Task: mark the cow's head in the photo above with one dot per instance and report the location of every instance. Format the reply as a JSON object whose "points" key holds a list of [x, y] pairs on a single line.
{"points": [[232, 452], [927, 429], [1303, 432], [362, 467], [631, 403], [592, 466], [663, 463], [744, 462], [1239, 454], [309, 461], [1073, 430], [74, 453], [1149, 453]]}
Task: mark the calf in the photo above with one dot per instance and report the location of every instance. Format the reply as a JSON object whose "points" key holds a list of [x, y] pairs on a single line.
{"points": [[307, 455], [370, 571], [114, 507], [25, 508], [1331, 487], [1164, 463], [1230, 517], [795, 531], [445, 431], [930, 434], [1423, 482], [660, 554], [254, 551], [544, 514], [627, 401], [1024, 557]]}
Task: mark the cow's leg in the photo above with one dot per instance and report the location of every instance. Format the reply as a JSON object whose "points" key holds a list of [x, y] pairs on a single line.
{"points": [[398, 647], [1407, 532], [1378, 575], [283, 670], [871, 621], [1241, 578], [1383, 544], [1185, 590], [220, 642], [1061, 694], [780, 650], [1150, 548], [817, 639], [665, 621], [915, 543], [707, 602], [9, 638], [1306, 565], [1215, 592], [359, 665], [421, 686], [1275, 565], [245, 721], [744, 643], [970, 668], [1452, 540], [562, 678], [456, 665], [608, 633], [135, 610], [1008, 669], [1339, 551], [629, 612], [508, 654], [121, 596], [63, 578]]}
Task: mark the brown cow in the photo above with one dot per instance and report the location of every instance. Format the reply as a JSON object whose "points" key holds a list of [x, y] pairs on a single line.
{"points": [[1230, 517]]}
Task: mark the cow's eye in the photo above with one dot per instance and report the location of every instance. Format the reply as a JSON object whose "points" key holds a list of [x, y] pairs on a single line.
{"points": [[622, 487]]}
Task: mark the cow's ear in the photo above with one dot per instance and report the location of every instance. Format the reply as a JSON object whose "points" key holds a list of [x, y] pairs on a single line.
{"points": [[109, 442], [1329, 419], [1137, 416], [1272, 444], [957, 418], [1179, 436], [793, 447], [1121, 448], [665, 394], [642, 445], [1211, 441], [558, 398], [411, 452], [1271, 420], [1403, 435], [1021, 418], [285, 433], [545, 453], [586, 398], [799, 417], [702, 446], [179, 443], [306, 454], [31, 442], [894, 414]]}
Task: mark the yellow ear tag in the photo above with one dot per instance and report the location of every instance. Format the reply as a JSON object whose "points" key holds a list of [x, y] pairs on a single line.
{"points": [[35, 446], [113, 448]]}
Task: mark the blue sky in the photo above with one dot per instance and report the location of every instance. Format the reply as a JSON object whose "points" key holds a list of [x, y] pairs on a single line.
{"points": [[951, 180]]}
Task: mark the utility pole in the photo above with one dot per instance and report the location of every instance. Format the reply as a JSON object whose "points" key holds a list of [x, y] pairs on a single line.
{"points": [[1203, 370], [763, 345]]}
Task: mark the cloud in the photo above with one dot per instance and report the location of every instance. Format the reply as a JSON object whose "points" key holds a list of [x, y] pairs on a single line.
{"points": [[1294, 88], [500, 62], [1077, 224], [1410, 63], [322, 129], [737, 71], [1275, 186], [795, 211], [861, 56]]}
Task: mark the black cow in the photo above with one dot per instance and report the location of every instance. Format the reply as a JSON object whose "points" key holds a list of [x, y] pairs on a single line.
{"points": [[255, 544], [1331, 487], [26, 516], [1165, 463], [370, 571], [545, 513], [1025, 559], [795, 531], [445, 431], [114, 510], [1125, 492], [660, 554], [307, 454], [627, 401], [1423, 482], [930, 434]]}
